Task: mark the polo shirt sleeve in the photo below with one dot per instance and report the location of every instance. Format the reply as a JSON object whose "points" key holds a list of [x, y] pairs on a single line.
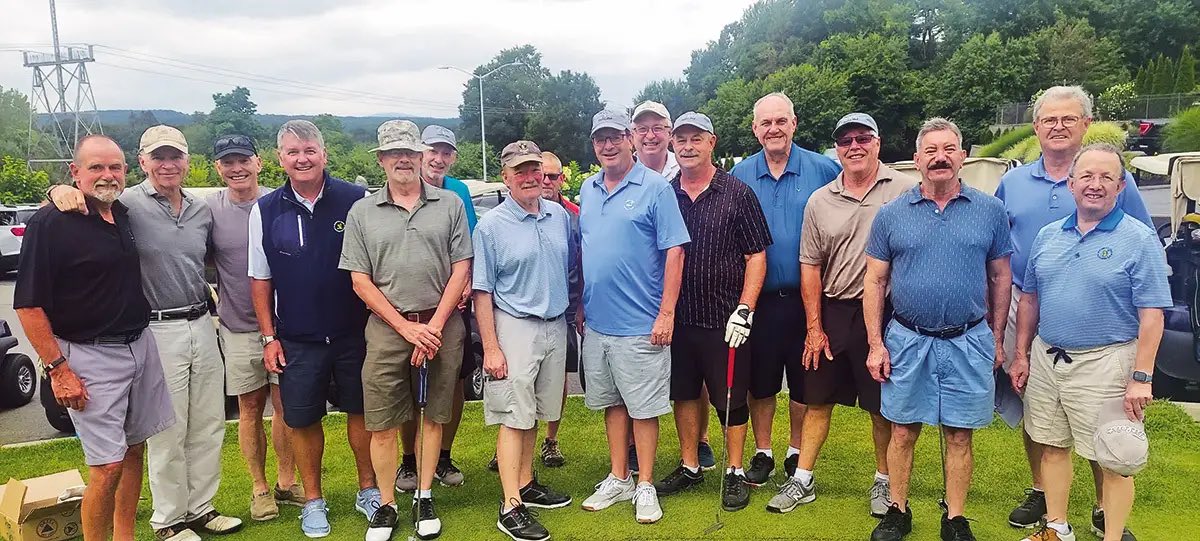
{"points": [[1030, 283], [36, 268], [751, 231], [878, 245], [812, 250], [1001, 237], [1131, 202], [483, 273], [1148, 275], [258, 267], [355, 257], [460, 235], [668, 220]]}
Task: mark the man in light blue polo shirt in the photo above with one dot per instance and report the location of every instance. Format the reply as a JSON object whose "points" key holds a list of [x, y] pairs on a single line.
{"points": [[943, 248], [632, 238], [1035, 195], [783, 176], [1101, 266]]}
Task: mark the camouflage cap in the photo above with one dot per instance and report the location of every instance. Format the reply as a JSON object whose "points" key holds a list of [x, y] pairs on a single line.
{"points": [[519, 152], [400, 135]]}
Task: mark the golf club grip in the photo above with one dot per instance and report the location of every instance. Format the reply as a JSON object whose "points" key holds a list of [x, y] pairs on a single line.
{"points": [[423, 384], [729, 369]]}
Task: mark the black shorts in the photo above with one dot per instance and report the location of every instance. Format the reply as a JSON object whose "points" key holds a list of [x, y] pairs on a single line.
{"points": [[845, 380], [700, 357], [572, 349], [468, 355], [777, 345], [304, 384]]}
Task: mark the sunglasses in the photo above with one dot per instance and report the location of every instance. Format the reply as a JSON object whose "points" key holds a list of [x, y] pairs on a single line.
{"points": [[553, 176], [862, 139], [237, 141]]}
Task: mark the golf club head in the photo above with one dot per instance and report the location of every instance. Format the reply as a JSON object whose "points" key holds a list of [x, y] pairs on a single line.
{"points": [[714, 527]]}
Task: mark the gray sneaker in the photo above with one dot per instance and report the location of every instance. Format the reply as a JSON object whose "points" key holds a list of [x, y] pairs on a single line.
{"points": [[881, 493], [406, 478], [645, 504], [792, 493], [609, 491]]}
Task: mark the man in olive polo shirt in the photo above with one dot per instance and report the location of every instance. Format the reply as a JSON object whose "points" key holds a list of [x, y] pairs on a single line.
{"points": [[408, 249]]}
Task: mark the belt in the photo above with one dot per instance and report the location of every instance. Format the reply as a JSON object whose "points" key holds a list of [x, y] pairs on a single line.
{"points": [[540, 318], [420, 317], [189, 313], [945, 333], [785, 292], [117, 339]]}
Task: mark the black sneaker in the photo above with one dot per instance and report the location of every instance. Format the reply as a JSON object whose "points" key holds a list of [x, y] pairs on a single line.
{"points": [[493, 464], [894, 526], [790, 464], [956, 529], [677, 481], [382, 523], [1098, 525], [447, 473], [736, 495], [521, 524], [761, 468], [428, 525], [538, 495], [1031, 511]]}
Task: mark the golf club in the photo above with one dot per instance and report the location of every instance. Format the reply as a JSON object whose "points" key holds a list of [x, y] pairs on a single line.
{"points": [[422, 401], [942, 452], [724, 448]]}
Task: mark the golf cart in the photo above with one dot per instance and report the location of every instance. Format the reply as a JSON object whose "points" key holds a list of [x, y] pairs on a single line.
{"points": [[983, 174], [1177, 370], [17, 375]]}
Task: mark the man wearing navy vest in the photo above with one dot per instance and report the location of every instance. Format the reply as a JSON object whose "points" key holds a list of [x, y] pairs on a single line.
{"points": [[310, 319]]}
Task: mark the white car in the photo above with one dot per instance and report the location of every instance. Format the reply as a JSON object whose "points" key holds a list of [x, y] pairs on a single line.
{"points": [[12, 231]]}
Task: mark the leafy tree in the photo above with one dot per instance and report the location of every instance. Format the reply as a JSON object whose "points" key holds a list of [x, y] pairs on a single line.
{"points": [[1140, 85], [470, 165], [732, 113], [20, 185], [564, 117], [510, 95], [336, 139], [1185, 78], [1164, 75], [984, 72], [1116, 102], [232, 112], [673, 93], [1073, 54], [14, 122], [821, 97]]}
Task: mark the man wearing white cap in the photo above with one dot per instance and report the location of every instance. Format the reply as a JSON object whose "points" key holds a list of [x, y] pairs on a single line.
{"points": [[651, 138], [1108, 268]]}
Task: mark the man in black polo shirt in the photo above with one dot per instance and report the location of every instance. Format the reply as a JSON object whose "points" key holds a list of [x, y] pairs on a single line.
{"points": [[79, 297], [722, 276]]}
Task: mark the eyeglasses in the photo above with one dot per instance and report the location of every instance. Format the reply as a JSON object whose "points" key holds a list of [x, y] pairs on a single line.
{"points": [[1066, 121], [553, 176], [601, 140], [863, 139], [658, 130]]}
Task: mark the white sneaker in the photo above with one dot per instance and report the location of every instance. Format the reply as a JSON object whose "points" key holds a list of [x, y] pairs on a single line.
{"points": [[645, 504], [609, 491], [429, 525]]}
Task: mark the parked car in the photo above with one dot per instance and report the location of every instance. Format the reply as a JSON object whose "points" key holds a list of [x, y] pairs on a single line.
{"points": [[17, 375], [1149, 137], [12, 232]]}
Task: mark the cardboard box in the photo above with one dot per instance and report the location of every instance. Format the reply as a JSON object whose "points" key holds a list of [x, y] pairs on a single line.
{"points": [[31, 510]]}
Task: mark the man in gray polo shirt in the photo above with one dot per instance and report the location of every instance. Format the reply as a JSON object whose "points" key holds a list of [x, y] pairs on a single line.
{"points": [[407, 249], [172, 229]]}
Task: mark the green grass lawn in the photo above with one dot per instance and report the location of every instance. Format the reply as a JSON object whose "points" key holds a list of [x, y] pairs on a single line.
{"points": [[1165, 509]]}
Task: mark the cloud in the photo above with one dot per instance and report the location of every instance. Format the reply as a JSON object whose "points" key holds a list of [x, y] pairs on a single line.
{"points": [[294, 55]]}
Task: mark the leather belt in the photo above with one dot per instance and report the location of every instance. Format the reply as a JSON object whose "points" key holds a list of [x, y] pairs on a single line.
{"points": [[944, 333], [420, 317], [540, 318], [785, 292], [117, 339], [189, 313]]}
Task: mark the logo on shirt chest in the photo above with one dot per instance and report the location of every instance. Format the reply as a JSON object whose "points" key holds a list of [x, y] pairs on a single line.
{"points": [[629, 204], [1104, 253], [339, 226]]}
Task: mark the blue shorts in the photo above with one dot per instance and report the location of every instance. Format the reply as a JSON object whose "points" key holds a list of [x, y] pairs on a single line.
{"points": [[940, 382], [304, 385]]}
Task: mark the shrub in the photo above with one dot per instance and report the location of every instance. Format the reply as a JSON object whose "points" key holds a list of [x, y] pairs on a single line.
{"points": [[1183, 133], [1006, 140], [1023, 149], [1029, 149], [1116, 102]]}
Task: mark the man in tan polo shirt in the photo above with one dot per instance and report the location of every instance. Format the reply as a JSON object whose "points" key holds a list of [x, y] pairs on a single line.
{"points": [[837, 223]]}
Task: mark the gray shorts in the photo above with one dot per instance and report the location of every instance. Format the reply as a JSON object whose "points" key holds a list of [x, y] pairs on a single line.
{"points": [[128, 399], [536, 353], [629, 371], [244, 370]]}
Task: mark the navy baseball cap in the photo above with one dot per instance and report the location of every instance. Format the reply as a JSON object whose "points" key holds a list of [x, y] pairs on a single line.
{"points": [[233, 144]]}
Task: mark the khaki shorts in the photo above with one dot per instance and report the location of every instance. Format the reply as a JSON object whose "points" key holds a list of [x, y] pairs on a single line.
{"points": [[390, 381], [1062, 400], [536, 353], [244, 370], [629, 371]]}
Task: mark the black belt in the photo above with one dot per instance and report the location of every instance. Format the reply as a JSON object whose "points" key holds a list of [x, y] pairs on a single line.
{"points": [[540, 318], [945, 333], [190, 313], [117, 339], [785, 292]]}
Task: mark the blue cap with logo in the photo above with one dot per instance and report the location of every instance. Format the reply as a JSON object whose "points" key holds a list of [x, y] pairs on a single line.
{"points": [[692, 118], [855, 119]]}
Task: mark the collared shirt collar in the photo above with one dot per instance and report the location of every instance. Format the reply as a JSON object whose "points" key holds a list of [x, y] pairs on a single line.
{"points": [[148, 189], [1109, 222], [117, 207], [716, 184], [793, 163], [915, 196], [520, 213], [635, 176], [291, 190], [883, 173]]}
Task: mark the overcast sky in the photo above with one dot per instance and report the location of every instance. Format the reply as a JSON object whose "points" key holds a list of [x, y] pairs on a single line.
{"points": [[388, 48]]}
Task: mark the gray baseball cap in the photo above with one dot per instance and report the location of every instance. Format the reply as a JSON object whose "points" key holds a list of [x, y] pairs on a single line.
{"points": [[609, 118], [438, 134], [651, 107], [692, 118], [1121, 444], [400, 135], [855, 119]]}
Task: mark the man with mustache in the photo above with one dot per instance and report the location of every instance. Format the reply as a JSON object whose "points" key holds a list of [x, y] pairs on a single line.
{"points": [[523, 256], [407, 249], [236, 159], [173, 229], [436, 161], [837, 222], [633, 237], [942, 247], [1034, 195], [722, 277], [79, 298], [783, 176]]}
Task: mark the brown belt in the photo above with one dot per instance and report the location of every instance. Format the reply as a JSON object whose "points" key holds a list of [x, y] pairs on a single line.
{"points": [[420, 317]]}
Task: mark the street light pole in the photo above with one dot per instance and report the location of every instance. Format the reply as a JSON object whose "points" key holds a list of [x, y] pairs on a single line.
{"points": [[482, 129]]}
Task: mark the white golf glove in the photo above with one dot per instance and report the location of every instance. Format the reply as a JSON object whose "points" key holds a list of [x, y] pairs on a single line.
{"points": [[738, 327]]}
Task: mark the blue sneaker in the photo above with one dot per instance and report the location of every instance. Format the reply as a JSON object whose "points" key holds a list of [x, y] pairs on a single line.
{"points": [[314, 518], [708, 462], [368, 501]]}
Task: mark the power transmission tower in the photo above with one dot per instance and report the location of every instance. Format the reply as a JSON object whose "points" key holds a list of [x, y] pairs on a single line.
{"points": [[62, 90]]}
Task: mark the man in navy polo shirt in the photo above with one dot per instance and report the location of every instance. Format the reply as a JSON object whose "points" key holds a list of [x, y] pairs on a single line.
{"points": [[310, 319], [1035, 195], [783, 176]]}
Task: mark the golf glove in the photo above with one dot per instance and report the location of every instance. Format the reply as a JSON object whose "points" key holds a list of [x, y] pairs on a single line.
{"points": [[738, 327]]}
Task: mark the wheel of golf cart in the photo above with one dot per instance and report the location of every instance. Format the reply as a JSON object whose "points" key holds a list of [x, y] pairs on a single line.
{"points": [[17, 380], [56, 415], [473, 390]]}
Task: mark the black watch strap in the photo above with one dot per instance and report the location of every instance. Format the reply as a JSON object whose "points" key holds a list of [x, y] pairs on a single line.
{"points": [[54, 364]]}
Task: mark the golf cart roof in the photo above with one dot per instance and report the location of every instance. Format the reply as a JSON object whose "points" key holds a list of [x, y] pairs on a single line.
{"points": [[1159, 164], [983, 174], [479, 187]]}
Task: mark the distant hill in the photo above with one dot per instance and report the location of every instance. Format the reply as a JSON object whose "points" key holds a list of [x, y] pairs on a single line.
{"points": [[115, 117]]}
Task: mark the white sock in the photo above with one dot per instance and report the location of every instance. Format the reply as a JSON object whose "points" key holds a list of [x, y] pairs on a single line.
{"points": [[804, 476], [1060, 527], [424, 493], [882, 477], [736, 471], [693, 469], [765, 452], [792, 451], [506, 509]]}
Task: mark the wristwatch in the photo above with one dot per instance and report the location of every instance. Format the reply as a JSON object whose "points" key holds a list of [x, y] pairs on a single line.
{"points": [[50, 366], [1141, 377], [265, 339]]}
